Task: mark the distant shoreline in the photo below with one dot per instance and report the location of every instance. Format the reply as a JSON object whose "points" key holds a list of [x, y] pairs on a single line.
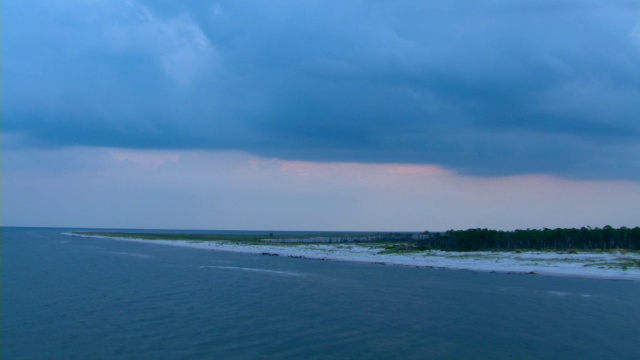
{"points": [[597, 265]]}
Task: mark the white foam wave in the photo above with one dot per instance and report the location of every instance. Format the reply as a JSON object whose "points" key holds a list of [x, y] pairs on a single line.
{"points": [[268, 271]]}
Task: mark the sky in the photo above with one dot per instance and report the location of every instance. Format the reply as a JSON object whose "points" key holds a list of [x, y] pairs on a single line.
{"points": [[408, 115]]}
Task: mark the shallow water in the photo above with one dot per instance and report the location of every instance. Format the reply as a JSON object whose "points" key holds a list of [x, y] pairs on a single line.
{"points": [[76, 298]]}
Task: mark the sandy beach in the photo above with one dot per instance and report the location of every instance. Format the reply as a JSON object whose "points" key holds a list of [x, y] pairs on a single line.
{"points": [[603, 265]]}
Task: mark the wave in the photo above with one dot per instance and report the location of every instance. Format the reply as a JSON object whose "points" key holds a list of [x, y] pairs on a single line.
{"points": [[238, 268], [130, 254]]}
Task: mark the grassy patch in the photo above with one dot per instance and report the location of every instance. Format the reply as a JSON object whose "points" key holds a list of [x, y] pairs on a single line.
{"points": [[186, 237], [622, 263], [398, 248]]}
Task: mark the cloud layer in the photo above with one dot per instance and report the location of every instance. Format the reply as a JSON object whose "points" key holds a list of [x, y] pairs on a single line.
{"points": [[484, 88]]}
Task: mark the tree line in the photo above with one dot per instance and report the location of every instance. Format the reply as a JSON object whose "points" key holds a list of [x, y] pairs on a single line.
{"points": [[585, 238]]}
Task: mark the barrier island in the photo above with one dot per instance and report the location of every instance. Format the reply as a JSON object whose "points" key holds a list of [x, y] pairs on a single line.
{"points": [[612, 253]]}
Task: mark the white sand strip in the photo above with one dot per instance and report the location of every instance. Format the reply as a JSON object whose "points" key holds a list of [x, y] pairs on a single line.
{"points": [[590, 265]]}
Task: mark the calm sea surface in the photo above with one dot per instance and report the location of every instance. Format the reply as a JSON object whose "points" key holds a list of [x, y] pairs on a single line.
{"points": [[76, 298]]}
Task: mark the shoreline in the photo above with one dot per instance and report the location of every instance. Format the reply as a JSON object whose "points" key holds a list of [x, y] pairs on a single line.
{"points": [[581, 264]]}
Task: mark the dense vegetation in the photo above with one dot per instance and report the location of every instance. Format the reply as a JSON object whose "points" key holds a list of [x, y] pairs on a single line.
{"points": [[547, 239]]}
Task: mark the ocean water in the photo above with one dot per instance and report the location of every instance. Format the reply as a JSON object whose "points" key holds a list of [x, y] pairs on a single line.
{"points": [[80, 298]]}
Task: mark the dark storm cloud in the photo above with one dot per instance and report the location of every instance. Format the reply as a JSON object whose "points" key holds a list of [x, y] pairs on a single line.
{"points": [[485, 88]]}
